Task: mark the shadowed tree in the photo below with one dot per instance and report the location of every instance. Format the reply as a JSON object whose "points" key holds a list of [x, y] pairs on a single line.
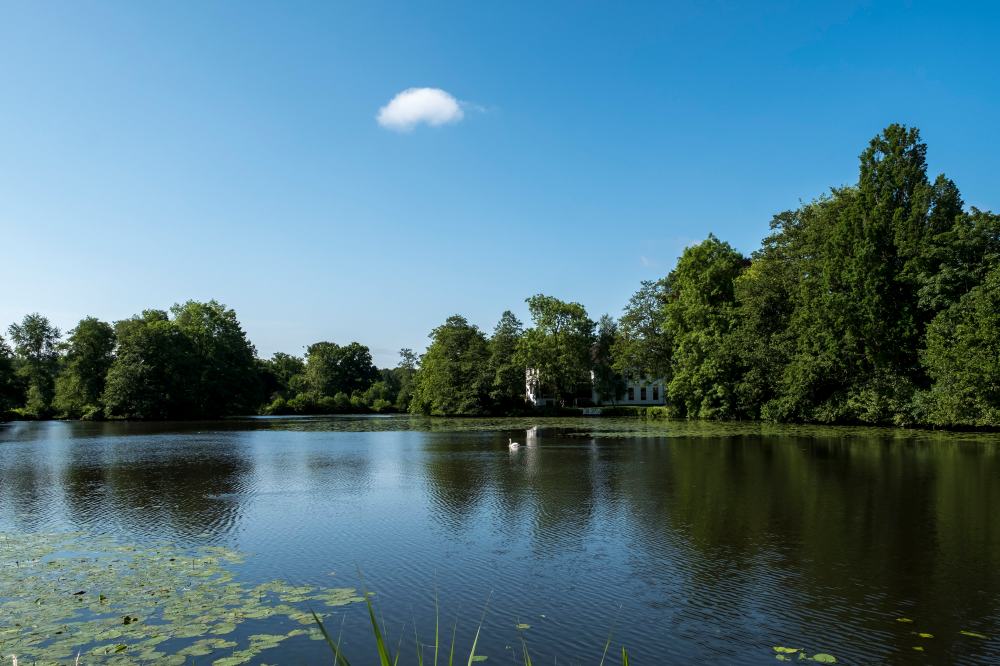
{"points": [[277, 374], [153, 375], [962, 357], [609, 384], [226, 379]]}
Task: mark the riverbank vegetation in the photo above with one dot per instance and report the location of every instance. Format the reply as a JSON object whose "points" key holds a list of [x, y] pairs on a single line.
{"points": [[877, 303]]}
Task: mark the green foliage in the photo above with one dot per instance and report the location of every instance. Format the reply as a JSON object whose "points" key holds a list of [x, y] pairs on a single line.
{"points": [[36, 343], [609, 383], [558, 346], [151, 375], [10, 389], [197, 365], [875, 303], [88, 357], [454, 375], [828, 320], [331, 368], [403, 375], [962, 357], [278, 375], [226, 380], [507, 373], [642, 345], [698, 317]]}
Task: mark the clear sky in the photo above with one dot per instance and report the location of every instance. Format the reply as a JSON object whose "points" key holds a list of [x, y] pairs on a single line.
{"points": [[152, 152]]}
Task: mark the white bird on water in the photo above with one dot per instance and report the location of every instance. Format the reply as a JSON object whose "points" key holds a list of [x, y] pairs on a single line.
{"points": [[512, 445]]}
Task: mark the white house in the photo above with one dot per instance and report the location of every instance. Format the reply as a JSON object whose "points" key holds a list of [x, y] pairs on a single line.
{"points": [[639, 390]]}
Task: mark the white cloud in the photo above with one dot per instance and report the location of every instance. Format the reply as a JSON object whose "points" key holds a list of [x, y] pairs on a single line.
{"points": [[413, 106]]}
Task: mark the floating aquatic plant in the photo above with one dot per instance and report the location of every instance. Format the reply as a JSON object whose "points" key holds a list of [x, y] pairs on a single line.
{"points": [[783, 653], [973, 634], [77, 594]]}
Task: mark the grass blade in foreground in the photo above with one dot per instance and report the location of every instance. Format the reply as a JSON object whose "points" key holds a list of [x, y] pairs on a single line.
{"points": [[338, 657], [607, 643], [475, 641]]}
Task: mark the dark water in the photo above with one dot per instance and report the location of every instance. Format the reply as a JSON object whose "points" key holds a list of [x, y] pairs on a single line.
{"points": [[717, 542]]}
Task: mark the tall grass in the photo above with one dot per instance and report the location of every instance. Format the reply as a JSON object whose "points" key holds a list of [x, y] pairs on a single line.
{"points": [[388, 658]]}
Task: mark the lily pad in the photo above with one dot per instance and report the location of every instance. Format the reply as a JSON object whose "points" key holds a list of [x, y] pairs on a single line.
{"points": [[973, 634], [120, 603]]}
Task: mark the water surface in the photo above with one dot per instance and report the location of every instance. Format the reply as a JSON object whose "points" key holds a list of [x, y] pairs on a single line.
{"points": [[695, 542]]}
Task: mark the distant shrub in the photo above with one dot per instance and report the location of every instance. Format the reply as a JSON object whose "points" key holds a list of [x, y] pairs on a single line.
{"points": [[92, 413], [343, 402]]}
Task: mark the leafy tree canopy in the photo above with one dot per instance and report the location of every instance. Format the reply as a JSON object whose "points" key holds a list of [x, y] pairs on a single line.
{"points": [[454, 375]]}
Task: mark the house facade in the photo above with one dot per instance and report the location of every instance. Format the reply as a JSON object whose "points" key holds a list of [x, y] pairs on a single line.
{"points": [[639, 390]]}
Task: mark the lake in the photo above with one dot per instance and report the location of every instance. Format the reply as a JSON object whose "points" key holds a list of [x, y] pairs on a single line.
{"points": [[688, 542]]}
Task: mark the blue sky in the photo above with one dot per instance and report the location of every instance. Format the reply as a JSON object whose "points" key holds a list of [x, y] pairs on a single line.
{"points": [[159, 151]]}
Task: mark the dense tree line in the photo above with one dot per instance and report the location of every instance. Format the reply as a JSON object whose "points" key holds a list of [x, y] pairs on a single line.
{"points": [[876, 303], [464, 371], [192, 362], [336, 379]]}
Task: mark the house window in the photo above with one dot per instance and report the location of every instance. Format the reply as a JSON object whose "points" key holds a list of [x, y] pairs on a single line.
{"points": [[642, 393], [631, 393], [656, 393]]}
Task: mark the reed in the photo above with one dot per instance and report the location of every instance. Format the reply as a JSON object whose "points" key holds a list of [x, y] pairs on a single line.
{"points": [[389, 658]]}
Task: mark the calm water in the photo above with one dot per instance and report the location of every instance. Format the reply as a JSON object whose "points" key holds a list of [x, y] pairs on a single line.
{"points": [[717, 542]]}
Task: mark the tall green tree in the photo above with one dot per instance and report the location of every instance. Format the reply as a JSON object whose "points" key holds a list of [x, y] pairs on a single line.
{"points": [[558, 345], [88, 357], [11, 395], [698, 318], [454, 375], [962, 357], [507, 384], [404, 374], [609, 383], [760, 342], [958, 254], [332, 368], [865, 254], [36, 344], [278, 375], [154, 374], [642, 346], [227, 381]]}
